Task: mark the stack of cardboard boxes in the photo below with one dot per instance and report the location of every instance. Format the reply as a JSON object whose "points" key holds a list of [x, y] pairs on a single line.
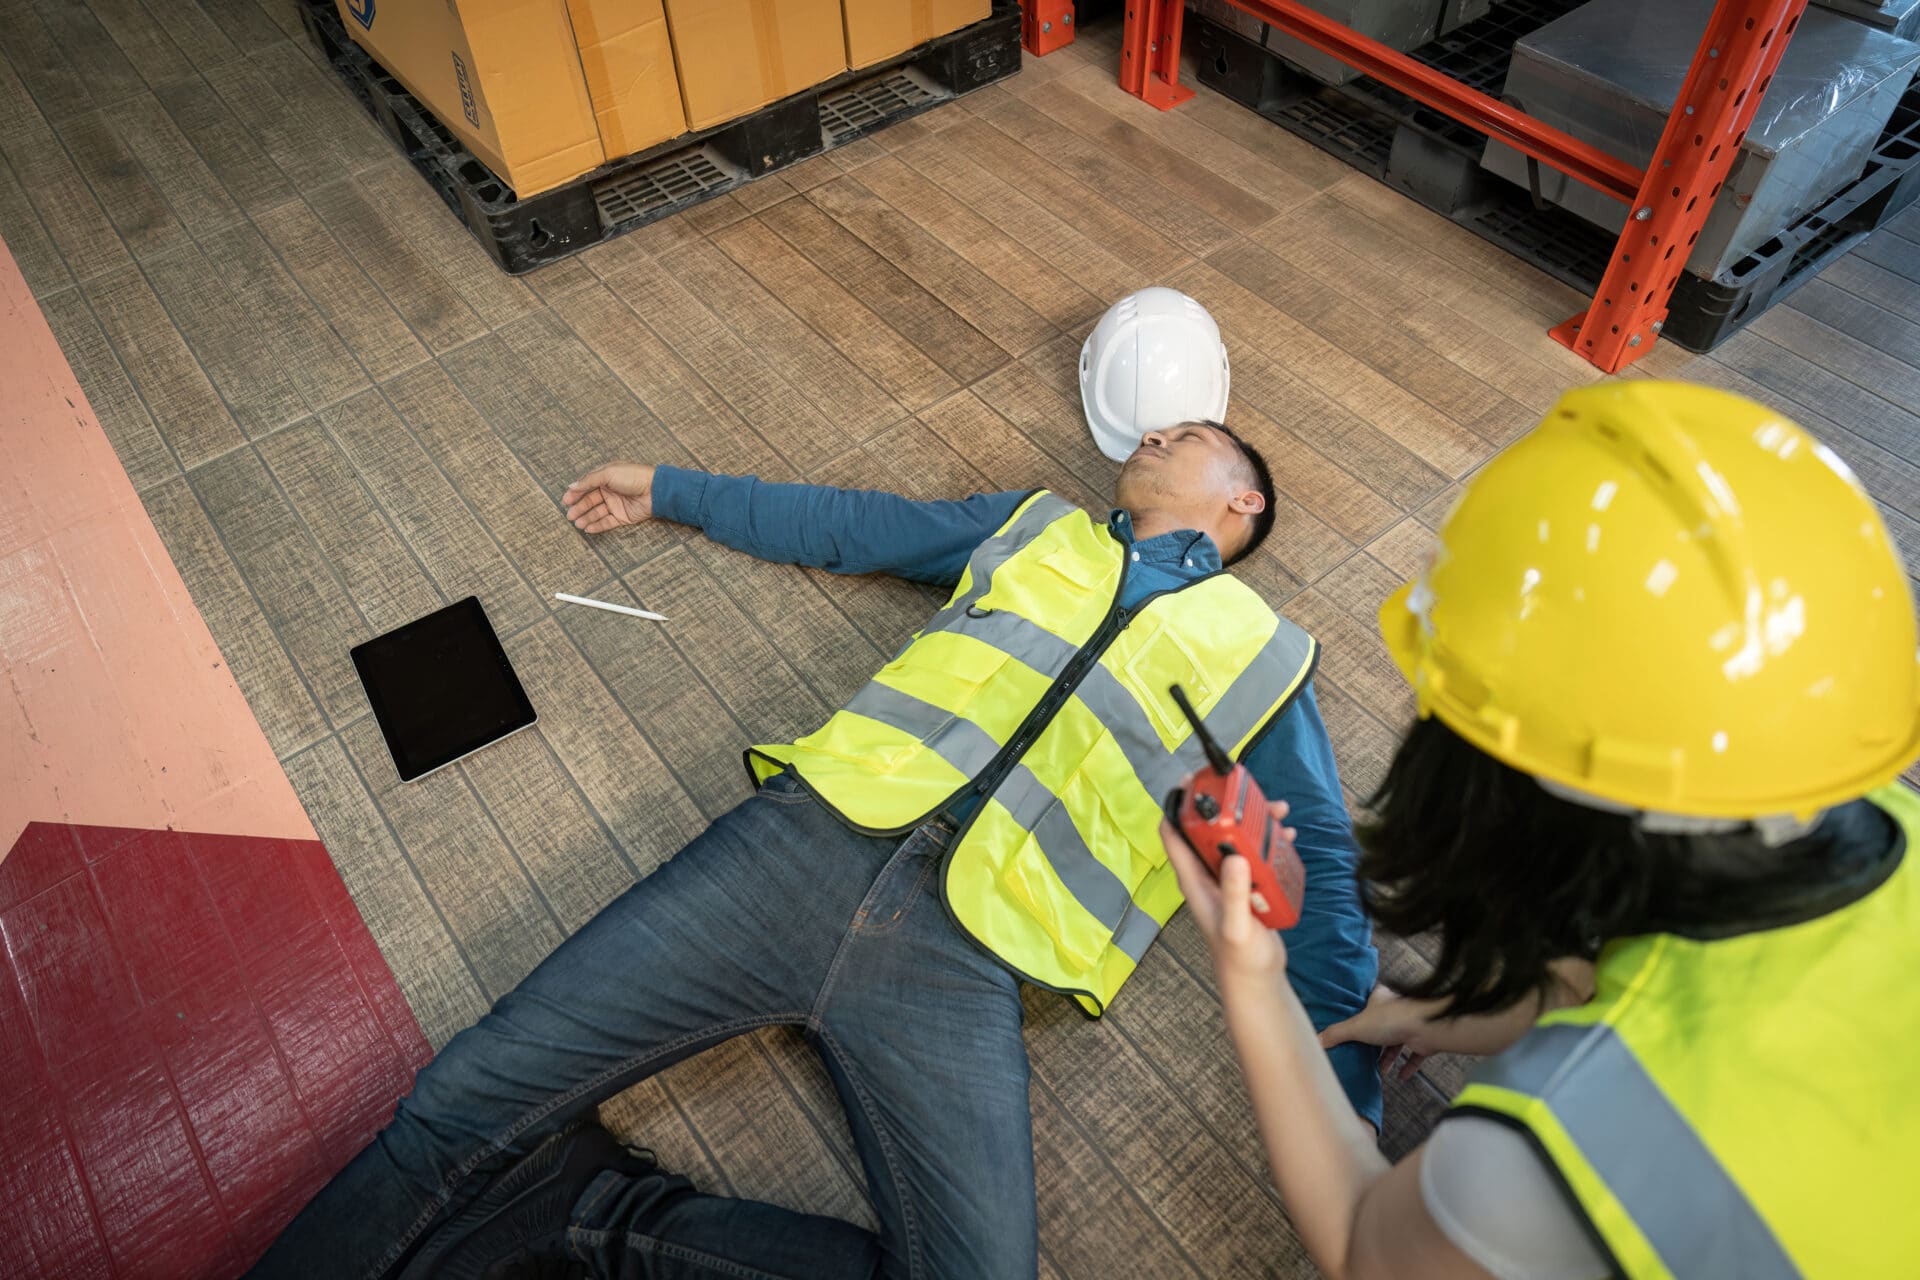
{"points": [[545, 90]]}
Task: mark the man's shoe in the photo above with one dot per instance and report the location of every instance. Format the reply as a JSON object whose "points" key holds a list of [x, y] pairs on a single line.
{"points": [[518, 1226]]}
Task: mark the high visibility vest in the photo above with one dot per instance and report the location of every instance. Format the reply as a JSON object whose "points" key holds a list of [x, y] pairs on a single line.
{"points": [[1740, 1107], [1033, 689]]}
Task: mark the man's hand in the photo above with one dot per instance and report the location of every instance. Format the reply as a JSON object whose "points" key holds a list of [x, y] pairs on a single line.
{"points": [[618, 494], [1243, 948], [1402, 1029]]}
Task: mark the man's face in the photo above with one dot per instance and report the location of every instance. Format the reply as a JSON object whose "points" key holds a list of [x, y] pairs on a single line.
{"points": [[1191, 466]]}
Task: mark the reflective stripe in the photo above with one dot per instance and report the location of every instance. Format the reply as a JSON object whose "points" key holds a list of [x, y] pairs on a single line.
{"points": [[955, 739], [997, 550], [1019, 638], [1093, 885], [1678, 1195], [1136, 933]]}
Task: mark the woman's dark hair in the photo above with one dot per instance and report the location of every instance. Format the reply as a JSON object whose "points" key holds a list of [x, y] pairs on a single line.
{"points": [[1512, 877]]}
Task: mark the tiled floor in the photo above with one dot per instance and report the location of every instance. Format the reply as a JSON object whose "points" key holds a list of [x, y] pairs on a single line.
{"points": [[339, 416]]}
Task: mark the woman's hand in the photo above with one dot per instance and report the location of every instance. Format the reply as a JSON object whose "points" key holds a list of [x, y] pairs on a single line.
{"points": [[1244, 950], [1399, 1026]]}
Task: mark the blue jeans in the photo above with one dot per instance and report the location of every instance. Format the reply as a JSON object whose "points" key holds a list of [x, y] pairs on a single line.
{"points": [[776, 914]]}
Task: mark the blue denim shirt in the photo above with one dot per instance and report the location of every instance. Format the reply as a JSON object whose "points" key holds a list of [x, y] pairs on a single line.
{"points": [[1330, 956]]}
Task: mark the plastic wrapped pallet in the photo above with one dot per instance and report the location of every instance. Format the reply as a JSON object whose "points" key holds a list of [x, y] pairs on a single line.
{"points": [[1609, 72], [1238, 21], [1398, 24], [1901, 17]]}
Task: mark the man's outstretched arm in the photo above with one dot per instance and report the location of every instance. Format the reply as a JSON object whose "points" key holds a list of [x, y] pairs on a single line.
{"points": [[1331, 960], [841, 530]]}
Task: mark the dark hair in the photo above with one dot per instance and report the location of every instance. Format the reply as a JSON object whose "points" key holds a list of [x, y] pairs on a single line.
{"points": [[1262, 480], [1512, 877]]}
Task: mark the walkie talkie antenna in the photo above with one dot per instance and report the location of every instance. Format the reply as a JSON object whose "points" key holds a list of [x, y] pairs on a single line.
{"points": [[1222, 765]]}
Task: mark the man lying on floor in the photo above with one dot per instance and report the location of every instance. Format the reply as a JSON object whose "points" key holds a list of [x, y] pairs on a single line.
{"points": [[984, 812]]}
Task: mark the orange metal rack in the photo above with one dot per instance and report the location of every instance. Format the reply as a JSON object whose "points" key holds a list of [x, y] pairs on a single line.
{"points": [[1670, 199]]}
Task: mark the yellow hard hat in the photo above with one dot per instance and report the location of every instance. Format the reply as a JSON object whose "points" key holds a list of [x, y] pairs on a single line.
{"points": [[1670, 598]]}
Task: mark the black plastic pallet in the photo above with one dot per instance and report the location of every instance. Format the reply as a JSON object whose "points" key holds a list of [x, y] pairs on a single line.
{"points": [[522, 233], [1436, 160]]}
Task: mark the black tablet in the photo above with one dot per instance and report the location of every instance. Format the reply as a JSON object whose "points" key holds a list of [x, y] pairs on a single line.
{"points": [[441, 688]]}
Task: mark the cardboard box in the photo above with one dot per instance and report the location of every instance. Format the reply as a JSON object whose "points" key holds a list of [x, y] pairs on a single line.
{"points": [[502, 75], [627, 56], [736, 56], [879, 29]]}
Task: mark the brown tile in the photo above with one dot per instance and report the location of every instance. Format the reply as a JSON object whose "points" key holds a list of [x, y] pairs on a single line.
{"points": [[704, 424], [184, 405], [418, 216], [529, 524], [1094, 164], [1008, 459], [440, 986], [41, 265], [199, 37], [146, 45], [450, 543], [566, 852], [1023, 270], [137, 442], [229, 151], [177, 171], [85, 44], [853, 405], [320, 368], [1192, 184], [139, 212], [602, 749], [72, 218], [765, 1144], [1082, 256], [482, 892], [327, 99], [984, 304], [688, 726], [303, 601], [246, 24], [546, 439], [1246, 320], [274, 690], [1051, 417], [430, 306], [1353, 656], [734, 656], [386, 584], [787, 420], [862, 337], [924, 320], [348, 301], [1172, 1120], [214, 316], [822, 645], [1089, 1212], [293, 137], [42, 66], [1380, 343], [559, 277]]}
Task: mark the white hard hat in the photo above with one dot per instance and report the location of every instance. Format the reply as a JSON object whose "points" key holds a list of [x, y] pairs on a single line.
{"points": [[1155, 360]]}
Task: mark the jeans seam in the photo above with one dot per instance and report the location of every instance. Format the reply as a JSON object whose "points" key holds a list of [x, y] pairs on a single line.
{"points": [[725, 1030], [899, 917], [654, 1244], [910, 1226]]}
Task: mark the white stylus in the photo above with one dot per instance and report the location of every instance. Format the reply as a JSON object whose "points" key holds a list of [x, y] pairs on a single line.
{"points": [[610, 608]]}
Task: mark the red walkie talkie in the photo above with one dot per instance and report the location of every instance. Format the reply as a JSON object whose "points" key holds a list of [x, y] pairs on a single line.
{"points": [[1221, 811]]}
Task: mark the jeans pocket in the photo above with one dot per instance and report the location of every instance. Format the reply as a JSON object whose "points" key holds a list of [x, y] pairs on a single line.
{"points": [[784, 788], [902, 882]]}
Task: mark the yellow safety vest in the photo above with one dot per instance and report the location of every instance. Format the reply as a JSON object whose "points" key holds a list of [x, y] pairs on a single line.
{"points": [[1740, 1107], [1033, 688]]}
